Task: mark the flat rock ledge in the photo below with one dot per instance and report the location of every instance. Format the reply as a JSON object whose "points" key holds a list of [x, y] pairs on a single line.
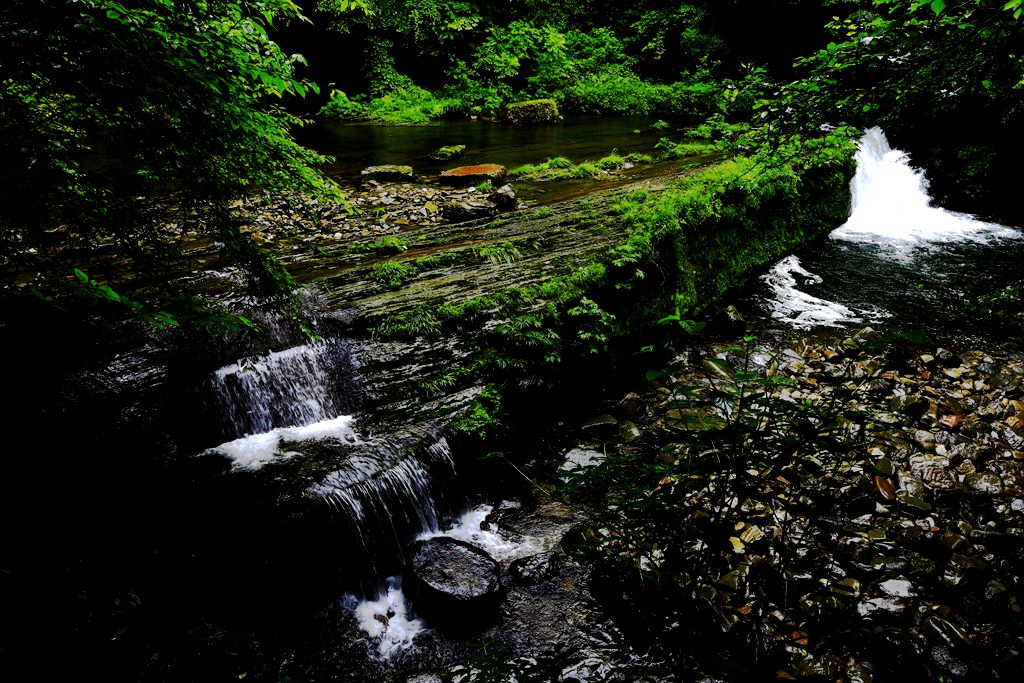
{"points": [[471, 175]]}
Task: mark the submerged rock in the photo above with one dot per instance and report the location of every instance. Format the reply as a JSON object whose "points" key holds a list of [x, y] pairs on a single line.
{"points": [[387, 172]]}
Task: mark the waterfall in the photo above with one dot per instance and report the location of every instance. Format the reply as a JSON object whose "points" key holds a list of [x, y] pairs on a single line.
{"points": [[895, 252], [891, 204], [295, 387], [345, 500]]}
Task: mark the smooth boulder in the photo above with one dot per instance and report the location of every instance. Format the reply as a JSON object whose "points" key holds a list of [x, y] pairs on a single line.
{"points": [[454, 584], [387, 172]]}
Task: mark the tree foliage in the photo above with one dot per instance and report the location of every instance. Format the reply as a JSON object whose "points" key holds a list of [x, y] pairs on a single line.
{"points": [[894, 62], [106, 105]]}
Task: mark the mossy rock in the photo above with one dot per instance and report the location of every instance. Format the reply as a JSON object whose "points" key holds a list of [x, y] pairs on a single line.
{"points": [[387, 172], [532, 111], [448, 152]]}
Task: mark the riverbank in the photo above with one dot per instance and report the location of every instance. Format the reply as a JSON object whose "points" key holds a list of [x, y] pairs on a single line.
{"points": [[840, 506], [816, 509]]}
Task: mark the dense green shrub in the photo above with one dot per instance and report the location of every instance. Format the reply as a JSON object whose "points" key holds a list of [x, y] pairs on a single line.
{"points": [[339, 106], [411, 105]]}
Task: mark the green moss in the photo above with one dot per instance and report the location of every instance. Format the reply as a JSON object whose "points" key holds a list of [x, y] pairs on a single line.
{"points": [[612, 161], [532, 111], [385, 246], [558, 168], [506, 252], [419, 322], [482, 417], [448, 152], [445, 258], [639, 158], [715, 225], [392, 274], [678, 150]]}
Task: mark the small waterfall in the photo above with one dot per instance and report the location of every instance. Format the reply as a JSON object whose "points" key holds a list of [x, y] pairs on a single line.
{"points": [[387, 490], [895, 253], [343, 502], [891, 204], [295, 387]]}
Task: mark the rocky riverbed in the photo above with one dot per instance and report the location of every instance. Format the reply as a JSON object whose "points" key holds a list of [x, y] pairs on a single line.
{"points": [[376, 208], [859, 516]]}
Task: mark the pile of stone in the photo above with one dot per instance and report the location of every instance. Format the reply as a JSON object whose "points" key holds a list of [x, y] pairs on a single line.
{"points": [[895, 553], [385, 203]]}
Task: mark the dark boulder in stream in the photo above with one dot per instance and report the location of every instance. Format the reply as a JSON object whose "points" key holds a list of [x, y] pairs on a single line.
{"points": [[454, 584]]}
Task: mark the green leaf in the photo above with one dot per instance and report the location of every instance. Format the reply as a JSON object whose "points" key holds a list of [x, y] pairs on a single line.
{"points": [[938, 6]]}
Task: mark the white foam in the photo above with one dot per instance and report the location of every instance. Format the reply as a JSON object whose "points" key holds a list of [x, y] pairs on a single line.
{"points": [[254, 451], [891, 205], [386, 620], [800, 309], [502, 545]]}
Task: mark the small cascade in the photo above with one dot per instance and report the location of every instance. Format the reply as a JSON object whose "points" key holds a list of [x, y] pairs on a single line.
{"points": [[385, 491], [891, 204], [386, 617], [897, 258], [337, 503], [295, 387]]}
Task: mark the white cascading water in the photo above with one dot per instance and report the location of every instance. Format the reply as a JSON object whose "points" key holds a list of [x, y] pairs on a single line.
{"points": [[891, 204], [378, 489], [286, 388], [891, 213], [285, 395], [386, 620]]}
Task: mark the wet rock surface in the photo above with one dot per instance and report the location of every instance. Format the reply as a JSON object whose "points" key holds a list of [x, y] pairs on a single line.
{"points": [[886, 542], [384, 204], [468, 175], [454, 583]]}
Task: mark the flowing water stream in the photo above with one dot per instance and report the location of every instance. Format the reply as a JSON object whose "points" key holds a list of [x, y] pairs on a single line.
{"points": [[898, 261]]}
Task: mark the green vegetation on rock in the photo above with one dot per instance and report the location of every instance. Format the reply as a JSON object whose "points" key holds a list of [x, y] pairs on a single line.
{"points": [[533, 111]]}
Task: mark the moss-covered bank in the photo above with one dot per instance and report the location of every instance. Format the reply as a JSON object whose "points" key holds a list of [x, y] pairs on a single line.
{"points": [[683, 247], [557, 301]]}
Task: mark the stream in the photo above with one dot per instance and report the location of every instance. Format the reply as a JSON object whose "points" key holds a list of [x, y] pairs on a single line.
{"points": [[898, 262], [288, 485], [354, 147]]}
